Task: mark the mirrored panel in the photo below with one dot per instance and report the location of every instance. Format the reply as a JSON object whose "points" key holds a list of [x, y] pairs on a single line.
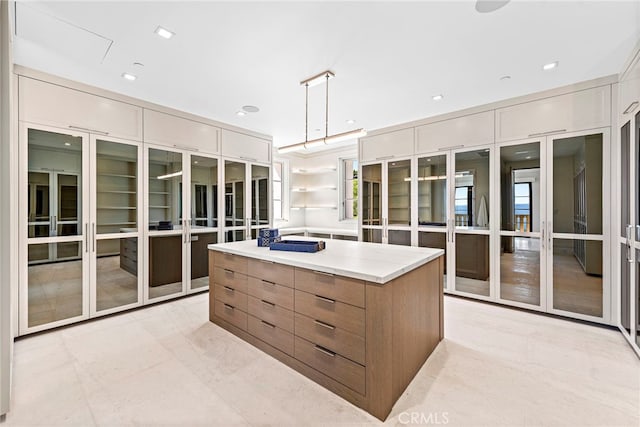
{"points": [[116, 273], [400, 237], [430, 239], [577, 185], [520, 269], [259, 195], [235, 235], [200, 258], [472, 263], [625, 288], [471, 194], [372, 235], [234, 193], [432, 191], [164, 189], [625, 178], [165, 265], [637, 315], [577, 276], [54, 287], [116, 187], [520, 188], [636, 165], [371, 200], [55, 184], [204, 192], [399, 192]]}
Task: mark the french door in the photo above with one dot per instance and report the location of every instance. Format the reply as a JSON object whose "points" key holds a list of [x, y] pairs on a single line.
{"points": [[551, 247]]}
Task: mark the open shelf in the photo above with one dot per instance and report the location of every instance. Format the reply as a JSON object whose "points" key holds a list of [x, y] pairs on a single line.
{"points": [[312, 171]]}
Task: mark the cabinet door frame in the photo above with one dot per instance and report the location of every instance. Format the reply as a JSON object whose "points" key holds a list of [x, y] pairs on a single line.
{"points": [[23, 241], [92, 226]]}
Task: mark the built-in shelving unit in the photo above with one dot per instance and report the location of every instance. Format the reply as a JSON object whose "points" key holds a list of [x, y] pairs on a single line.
{"points": [[314, 188]]}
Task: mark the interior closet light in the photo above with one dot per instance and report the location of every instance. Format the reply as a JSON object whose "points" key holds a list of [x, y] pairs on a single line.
{"points": [[170, 175], [325, 76]]}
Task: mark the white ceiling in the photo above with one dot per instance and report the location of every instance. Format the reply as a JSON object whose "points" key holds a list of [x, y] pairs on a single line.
{"points": [[390, 58]]}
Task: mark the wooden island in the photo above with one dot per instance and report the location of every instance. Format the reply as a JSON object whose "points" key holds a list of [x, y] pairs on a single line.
{"points": [[357, 318]]}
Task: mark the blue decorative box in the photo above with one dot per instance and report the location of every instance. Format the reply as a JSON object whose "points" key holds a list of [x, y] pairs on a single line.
{"points": [[265, 242], [298, 246], [269, 232]]}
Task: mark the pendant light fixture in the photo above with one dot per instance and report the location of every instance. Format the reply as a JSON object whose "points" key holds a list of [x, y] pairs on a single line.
{"points": [[320, 78]]}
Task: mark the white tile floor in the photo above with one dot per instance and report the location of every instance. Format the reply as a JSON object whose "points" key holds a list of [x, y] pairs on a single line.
{"points": [[168, 365]]}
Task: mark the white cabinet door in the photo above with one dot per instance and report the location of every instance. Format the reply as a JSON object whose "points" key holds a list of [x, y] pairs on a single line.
{"points": [[585, 109], [466, 131], [629, 90], [172, 131], [54, 105], [245, 147], [386, 146]]}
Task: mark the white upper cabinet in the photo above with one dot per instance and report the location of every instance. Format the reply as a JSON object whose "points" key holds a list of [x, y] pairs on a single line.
{"points": [[465, 131], [245, 147], [585, 109], [172, 131], [54, 105], [387, 146], [629, 90]]}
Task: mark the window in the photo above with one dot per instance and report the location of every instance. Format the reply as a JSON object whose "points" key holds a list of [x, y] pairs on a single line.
{"points": [[277, 190], [464, 205], [522, 206], [350, 189]]}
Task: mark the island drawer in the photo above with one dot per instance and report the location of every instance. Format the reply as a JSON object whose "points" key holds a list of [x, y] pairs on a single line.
{"points": [[344, 289], [329, 336], [263, 309], [331, 364], [262, 289], [271, 272], [231, 262], [231, 314], [231, 296], [230, 278], [271, 334], [330, 311]]}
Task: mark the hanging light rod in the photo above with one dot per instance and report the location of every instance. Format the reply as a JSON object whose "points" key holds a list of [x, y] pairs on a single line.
{"points": [[318, 78], [170, 175], [322, 77]]}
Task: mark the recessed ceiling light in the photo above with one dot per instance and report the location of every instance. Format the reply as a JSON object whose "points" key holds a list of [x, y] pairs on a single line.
{"points": [[437, 97], [129, 76], [487, 6], [250, 109], [138, 64], [503, 78], [351, 121], [240, 113], [164, 33], [68, 144], [550, 66]]}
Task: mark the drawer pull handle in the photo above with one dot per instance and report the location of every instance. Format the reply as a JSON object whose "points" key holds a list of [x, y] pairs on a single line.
{"points": [[227, 254], [227, 288], [325, 299], [229, 271], [324, 325], [549, 132], [324, 351], [323, 273], [266, 261], [271, 325], [230, 307], [269, 283], [270, 304]]}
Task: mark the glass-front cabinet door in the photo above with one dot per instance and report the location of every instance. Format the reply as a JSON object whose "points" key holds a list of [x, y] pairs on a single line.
{"points": [[398, 207], [260, 200], [371, 215], [54, 211]]}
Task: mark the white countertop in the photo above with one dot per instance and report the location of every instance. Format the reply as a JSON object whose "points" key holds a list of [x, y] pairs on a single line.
{"points": [[372, 262]]}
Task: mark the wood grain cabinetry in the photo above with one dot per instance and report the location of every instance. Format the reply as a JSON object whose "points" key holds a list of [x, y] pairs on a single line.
{"points": [[363, 341]]}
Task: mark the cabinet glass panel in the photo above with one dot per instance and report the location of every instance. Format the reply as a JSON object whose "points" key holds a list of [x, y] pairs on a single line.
{"points": [[625, 178], [234, 193], [636, 164], [259, 195], [400, 237], [520, 269], [372, 235], [55, 184], [54, 288], [116, 187], [200, 258], [625, 288], [520, 188], [116, 272], [371, 200], [235, 235], [637, 315], [472, 199], [165, 178], [399, 192], [429, 239], [432, 191], [165, 265], [577, 276], [204, 192], [577, 185], [472, 263]]}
